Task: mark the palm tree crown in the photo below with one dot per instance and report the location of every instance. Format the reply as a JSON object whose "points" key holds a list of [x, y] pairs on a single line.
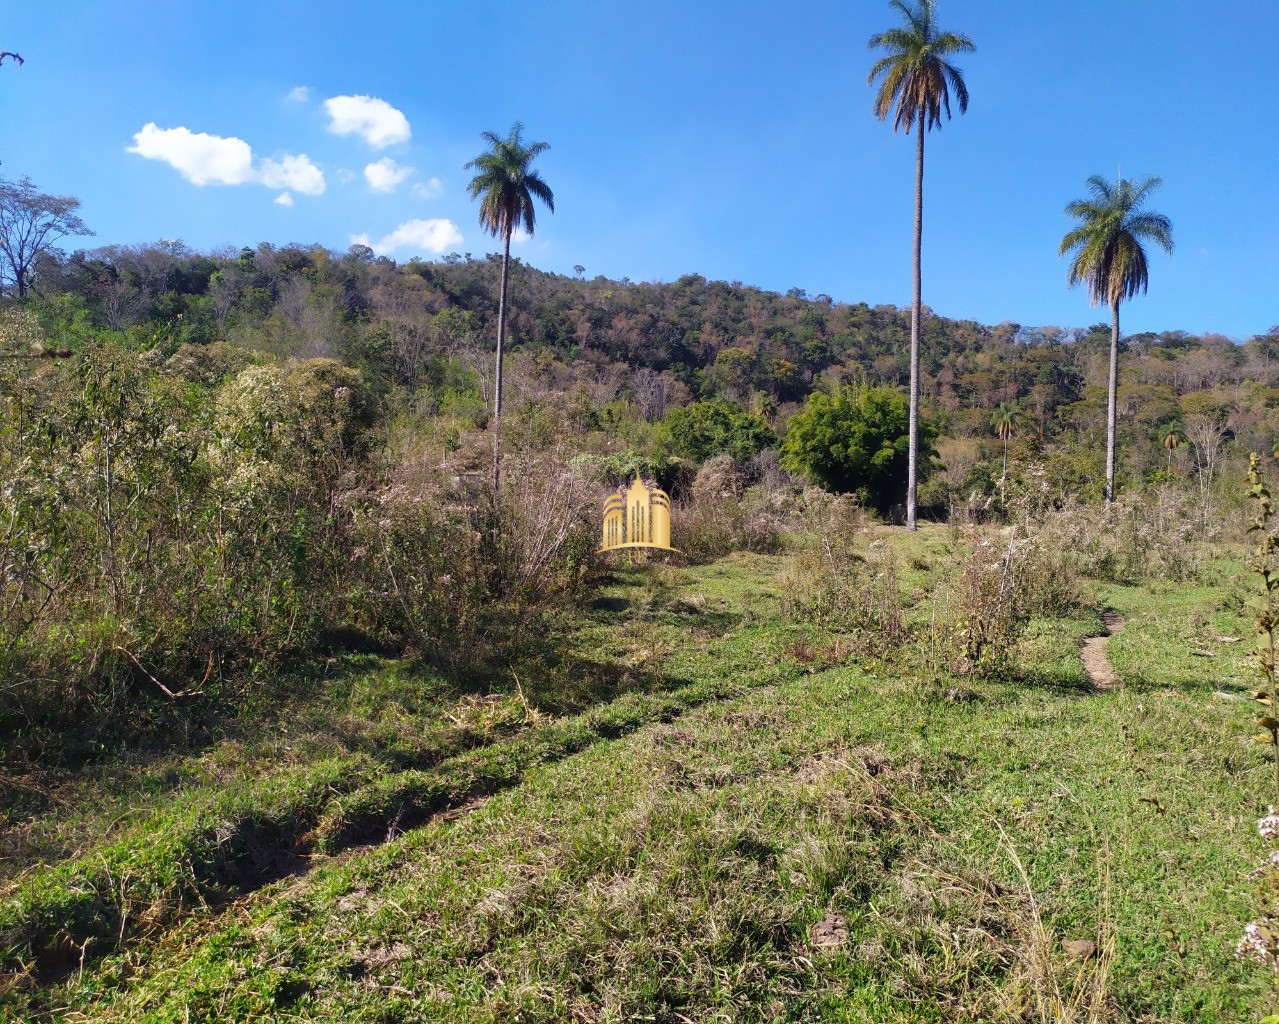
{"points": [[917, 78], [1107, 243], [505, 185], [1004, 420]]}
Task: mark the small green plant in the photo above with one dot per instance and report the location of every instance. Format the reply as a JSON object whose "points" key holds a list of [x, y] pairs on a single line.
{"points": [[1260, 942]]}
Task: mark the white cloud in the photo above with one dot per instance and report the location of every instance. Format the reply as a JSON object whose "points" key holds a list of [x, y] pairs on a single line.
{"points": [[345, 175], [200, 158], [519, 236], [284, 199], [299, 94], [433, 235], [205, 159], [384, 175], [428, 189], [377, 121], [295, 172]]}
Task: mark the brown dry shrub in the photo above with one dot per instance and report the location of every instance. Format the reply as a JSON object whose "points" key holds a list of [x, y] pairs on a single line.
{"points": [[840, 581], [986, 619], [1002, 579], [1158, 534], [446, 573], [722, 514]]}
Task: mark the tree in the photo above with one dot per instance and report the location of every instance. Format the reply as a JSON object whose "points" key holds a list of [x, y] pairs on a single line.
{"points": [[917, 81], [856, 440], [701, 430], [1172, 441], [1206, 434], [506, 188], [30, 225], [1004, 420], [1107, 256]]}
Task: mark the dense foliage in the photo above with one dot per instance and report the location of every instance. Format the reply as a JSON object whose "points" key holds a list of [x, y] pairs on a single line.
{"points": [[715, 427], [245, 454], [853, 439]]}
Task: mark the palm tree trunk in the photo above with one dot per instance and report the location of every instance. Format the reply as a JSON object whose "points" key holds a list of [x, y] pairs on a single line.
{"points": [[1112, 407], [916, 314], [501, 337]]}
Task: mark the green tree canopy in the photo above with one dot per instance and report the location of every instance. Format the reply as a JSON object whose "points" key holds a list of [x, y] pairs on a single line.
{"points": [[703, 429], [855, 440]]}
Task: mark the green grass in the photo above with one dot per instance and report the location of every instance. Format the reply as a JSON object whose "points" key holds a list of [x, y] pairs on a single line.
{"points": [[667, 853]]}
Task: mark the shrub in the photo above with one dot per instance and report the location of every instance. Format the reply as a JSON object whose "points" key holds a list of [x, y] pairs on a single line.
{"points": [[447, 575], [158, 530], [722, 514], [986, 619], [853, 440], [1153, 535], [841, 581], [702, 430]]}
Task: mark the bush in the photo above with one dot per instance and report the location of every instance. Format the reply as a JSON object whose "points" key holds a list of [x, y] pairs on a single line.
{"points": [[160, 529], [1153, 535], [854, 441], [842, 581], [722, 514], [703, 430], [451, 575]]}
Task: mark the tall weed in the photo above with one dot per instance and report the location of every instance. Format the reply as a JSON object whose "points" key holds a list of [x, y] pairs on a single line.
{"points": [[1159, 534], [841, 580], [451, 574], [721, 514]]}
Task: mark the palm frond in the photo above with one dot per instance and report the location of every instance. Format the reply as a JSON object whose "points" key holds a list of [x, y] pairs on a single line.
{"points": [[505, 185], [896, 39], [953, 42], [540, 189], [916, 81], [1108, 256], [1100, 189], [918, 21], [1155, 227], [956, 81], [884, 64]]}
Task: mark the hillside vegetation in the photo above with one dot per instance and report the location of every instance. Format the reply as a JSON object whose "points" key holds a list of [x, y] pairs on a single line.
{"points": [[768, 817], [302, 718]]}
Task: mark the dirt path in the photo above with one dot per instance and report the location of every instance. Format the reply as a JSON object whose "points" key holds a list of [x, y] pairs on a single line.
{"points": [[1093, 653]]}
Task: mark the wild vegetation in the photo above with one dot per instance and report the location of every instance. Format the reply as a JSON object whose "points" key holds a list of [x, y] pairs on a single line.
{"points": [[262, 606], [318, 701]]}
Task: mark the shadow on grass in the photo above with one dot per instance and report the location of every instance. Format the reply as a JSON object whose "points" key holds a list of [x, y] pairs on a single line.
{"points": [[1062, 679]]}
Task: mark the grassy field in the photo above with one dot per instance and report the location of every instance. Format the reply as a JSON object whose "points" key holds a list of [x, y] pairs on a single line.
{"points": [[695, 810]]}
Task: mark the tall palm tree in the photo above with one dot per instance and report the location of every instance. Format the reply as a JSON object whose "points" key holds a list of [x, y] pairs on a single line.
{"points": [[1108, 257], [506, 188], [1004, 420], [1172, 441], [917, 80]]}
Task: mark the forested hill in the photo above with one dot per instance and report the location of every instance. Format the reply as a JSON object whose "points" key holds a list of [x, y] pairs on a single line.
{"points": [[426, 326]]}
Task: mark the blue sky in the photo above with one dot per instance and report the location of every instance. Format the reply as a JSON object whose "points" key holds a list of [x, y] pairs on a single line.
{"points": [[732, 140]]}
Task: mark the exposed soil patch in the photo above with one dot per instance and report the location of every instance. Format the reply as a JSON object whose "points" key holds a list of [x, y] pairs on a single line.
{"points": [[1093, 653], [831, 933]]}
